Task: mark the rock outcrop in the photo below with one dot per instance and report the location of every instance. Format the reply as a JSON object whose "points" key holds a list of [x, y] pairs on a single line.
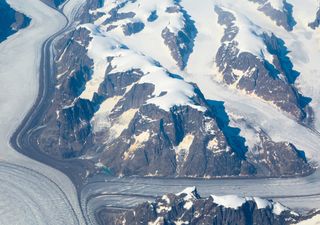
{"points": [[10, 20], [188, 207]]}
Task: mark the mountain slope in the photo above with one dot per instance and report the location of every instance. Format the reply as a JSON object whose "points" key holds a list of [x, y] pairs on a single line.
{"points": [[199, 104]]}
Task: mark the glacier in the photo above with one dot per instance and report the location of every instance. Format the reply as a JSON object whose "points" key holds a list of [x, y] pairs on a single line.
{"points": [[31, 192]]}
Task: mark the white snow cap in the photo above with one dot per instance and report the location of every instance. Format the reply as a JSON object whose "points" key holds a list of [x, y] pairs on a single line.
{"points": [[278, 208], [103, 45], [190, 192], [229, 201], [233, 201], [276, 4]]}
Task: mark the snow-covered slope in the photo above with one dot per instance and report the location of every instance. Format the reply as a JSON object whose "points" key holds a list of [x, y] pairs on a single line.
{"points": [[315, 220]]}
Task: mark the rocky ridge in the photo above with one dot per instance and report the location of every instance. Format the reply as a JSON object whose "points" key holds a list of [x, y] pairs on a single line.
{"points": [[187, 207], [266, 73]]}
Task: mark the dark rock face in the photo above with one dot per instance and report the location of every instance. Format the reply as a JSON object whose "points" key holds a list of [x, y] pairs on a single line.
{"points": [[132, 28], [69, 118], [316, 23], [180, 43], [161, 154], [190, 208], [153, 16], [10, 21], [282, 17], [271, 81]]}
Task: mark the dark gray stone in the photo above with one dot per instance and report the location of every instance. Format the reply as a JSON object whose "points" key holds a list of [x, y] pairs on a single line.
{"points": [[282, 17], [10, 21], [132, 28], [153, 16], [181, 43]]}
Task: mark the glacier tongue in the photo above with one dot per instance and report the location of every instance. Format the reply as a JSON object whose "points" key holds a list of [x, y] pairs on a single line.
{"points": [[31, 192]]}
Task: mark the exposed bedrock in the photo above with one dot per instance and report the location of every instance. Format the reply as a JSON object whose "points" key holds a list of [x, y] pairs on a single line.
{"points": [[11, 21]]}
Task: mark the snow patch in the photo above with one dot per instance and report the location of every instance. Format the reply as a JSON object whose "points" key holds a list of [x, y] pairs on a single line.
{"points": [[166, 199], [138, 143], [185, 145], [99, 165], [100, 119], [190, 193], [276, 4], [213, 144], [312, 221], [251, 135], [188, 205], [248, 37], [229, 201], [262, 203], [122, 122]]}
